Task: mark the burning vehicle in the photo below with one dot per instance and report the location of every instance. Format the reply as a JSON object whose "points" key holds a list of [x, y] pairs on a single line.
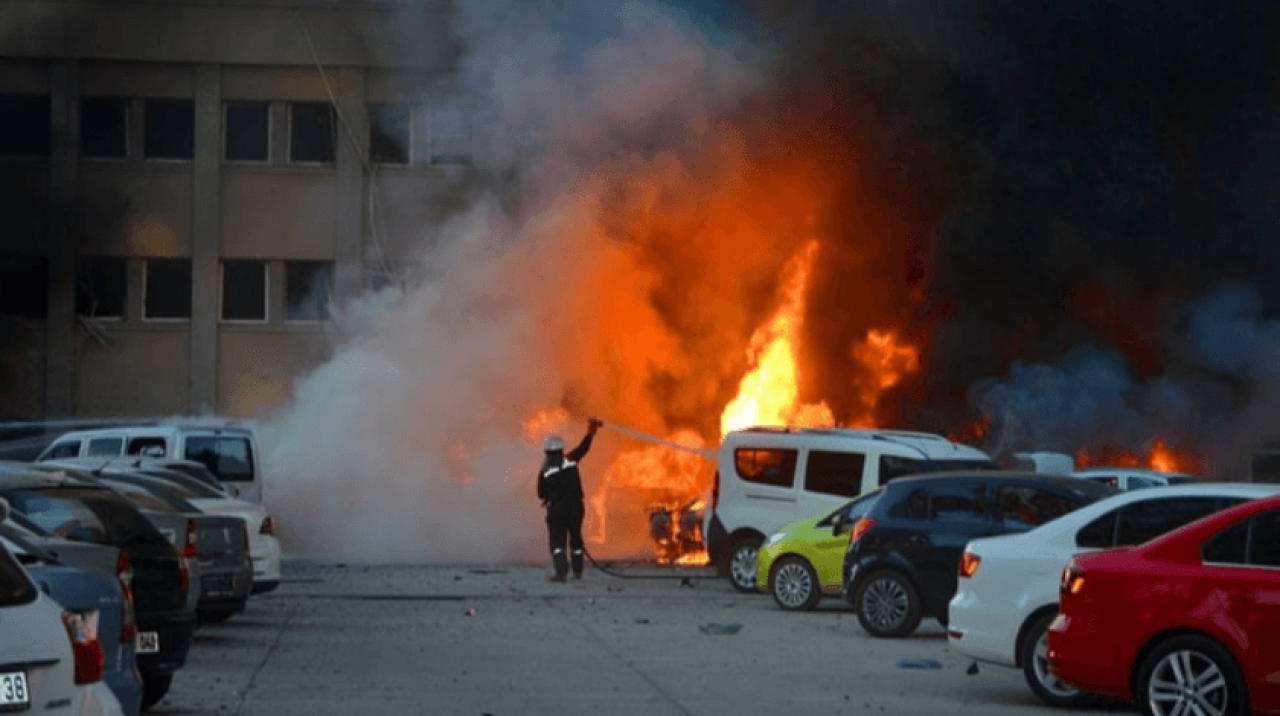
{"points": [[676, 531]]}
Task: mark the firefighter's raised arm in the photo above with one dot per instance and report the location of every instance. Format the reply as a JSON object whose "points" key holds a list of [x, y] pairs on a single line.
{"points": [[576, 454]]}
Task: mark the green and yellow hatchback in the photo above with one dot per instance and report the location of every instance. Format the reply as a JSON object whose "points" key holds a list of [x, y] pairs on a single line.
{"points": [[803, 560]]}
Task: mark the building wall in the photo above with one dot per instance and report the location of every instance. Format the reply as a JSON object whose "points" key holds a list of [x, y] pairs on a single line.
{"points": [[131, 211]]}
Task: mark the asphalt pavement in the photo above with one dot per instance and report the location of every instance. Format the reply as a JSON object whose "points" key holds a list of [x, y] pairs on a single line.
{"points": [[415, 639]]}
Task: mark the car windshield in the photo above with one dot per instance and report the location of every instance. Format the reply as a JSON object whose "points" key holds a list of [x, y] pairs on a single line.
{"points": [[1180, 479], [87, 514]]}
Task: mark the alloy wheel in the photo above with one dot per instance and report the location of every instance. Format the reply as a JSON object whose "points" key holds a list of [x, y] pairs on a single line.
{"points": [[792, 585], [1188, 682], [1040, 662], [743, 566], [885, 603]]}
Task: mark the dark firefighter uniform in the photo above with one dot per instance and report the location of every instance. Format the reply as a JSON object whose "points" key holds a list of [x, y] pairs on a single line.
{"points": [[560, 489]]}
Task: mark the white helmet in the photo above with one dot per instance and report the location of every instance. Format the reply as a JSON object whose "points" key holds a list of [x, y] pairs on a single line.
{"points": [[553, 443]]}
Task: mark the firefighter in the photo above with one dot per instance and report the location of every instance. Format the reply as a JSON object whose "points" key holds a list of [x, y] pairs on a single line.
{"points": [[560, 489]]}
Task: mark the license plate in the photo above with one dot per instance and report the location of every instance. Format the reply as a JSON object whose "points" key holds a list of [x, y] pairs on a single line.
{"points": [[13, 690], [148, 642], [218, 586]]}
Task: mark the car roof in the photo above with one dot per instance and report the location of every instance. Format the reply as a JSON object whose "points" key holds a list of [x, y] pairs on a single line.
{"points": [[156, 428], [1140, 471], [24, 475], [928, 446], [1016, 475]]}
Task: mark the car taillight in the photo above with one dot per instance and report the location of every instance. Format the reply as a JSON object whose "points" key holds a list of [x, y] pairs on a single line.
{"points": [[969, 564], [184, 571], [860, 528], [191, 550], [268, 526], [91, 660], [128, 623], [1072, 579]]}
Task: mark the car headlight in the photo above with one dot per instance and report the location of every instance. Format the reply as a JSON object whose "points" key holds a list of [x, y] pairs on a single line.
{"points": [[775, 538]]}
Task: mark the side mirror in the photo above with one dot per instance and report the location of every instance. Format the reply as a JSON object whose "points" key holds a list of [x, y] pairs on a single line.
{"points": [[838, 525]]}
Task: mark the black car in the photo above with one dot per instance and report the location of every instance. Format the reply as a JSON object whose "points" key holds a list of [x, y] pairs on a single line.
{"points": [[901, 563], [76, 510]]}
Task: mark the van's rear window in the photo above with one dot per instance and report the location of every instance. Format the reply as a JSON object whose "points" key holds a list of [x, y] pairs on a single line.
{"points": [[230, 458]]}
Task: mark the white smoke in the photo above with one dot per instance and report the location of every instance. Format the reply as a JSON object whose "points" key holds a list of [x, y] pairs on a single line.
{"points": [[407, 444]]}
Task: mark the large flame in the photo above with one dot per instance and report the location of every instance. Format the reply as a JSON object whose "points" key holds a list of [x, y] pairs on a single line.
{"points": [[1157, 456]]}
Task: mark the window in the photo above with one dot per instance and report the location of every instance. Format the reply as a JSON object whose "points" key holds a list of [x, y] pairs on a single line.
{"points": [[15, 588], [389, 133], [228, 458], [100, 287], [151, 447], [1100, 533], [834, 473], [852, 511], [450, 137], [766, 466], [25, 122], [24, 286], [1228, 546], [1146, 520], [963, 501], [167, 289], [170, 129], [1137, 482], [248, 132], [313, 132], [1028, 507], [1264, 540], [244, 290], [104, 128], [71, 448], [309, 290], [99, 447]]}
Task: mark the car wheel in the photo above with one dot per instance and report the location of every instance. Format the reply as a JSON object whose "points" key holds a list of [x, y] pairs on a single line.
{"points": [[742, 563], [154, 688], [888, 605], [794, 584], [1191, 674], [1034, 654]]}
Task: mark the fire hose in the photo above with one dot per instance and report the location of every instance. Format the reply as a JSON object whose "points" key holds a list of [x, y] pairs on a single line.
{"points": [[646, 437]]}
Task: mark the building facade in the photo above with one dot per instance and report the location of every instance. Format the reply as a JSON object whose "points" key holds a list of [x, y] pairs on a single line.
{"points": [[190, 188]]}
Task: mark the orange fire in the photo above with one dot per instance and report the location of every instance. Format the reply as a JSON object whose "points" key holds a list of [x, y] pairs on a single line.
{"points": [[769, 393], [885, 361], [544, 422], [1158, 456]]}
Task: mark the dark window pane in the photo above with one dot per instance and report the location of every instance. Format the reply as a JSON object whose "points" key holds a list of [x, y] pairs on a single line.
{"points": [[313, 137], [1137, 482], [247, 131], [913, 505], [15, 587], [67, 449], [963, 501], [1264, 540], [104, 127], [229, 458], [100, 287], [1099, 534], [450, 137], [389, 133], [170, 128], [766, 466], [168, 289], [24, 125], [99, 447], [1228, 546], [24, 286], [1146, 520], [1027, 507], [1266, 468], [834, 473], [309, 287], [244, 291]]}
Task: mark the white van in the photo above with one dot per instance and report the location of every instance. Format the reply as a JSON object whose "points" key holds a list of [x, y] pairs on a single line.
{"points": [[230, 452], [769, 477]]}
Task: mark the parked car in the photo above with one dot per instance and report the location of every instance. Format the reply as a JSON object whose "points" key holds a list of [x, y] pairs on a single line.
{"points": [[66, 507], [264, 547], [97, 598], [50, 657], [900, 566], [228, 451], [217, 545], [1182, 624], [802, 561], [1008, 586], [769, 477], [1133, 478]]}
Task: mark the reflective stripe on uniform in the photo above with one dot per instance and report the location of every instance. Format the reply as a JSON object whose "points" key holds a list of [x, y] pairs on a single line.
{"points": [[554, 470]]}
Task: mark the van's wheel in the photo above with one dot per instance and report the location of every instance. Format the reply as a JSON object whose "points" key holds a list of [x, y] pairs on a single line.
{"points": [[794, 584], [1188, 674], [888, 605], [1033, 652], [742, 563], [154, 688]]}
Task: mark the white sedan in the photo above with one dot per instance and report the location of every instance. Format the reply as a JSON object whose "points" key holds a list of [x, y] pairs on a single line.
{"points": [[1008, 588]]}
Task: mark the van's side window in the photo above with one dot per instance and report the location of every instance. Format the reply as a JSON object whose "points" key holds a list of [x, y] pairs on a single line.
{"points": [[105, 447], [834, 473], [70, 448], [766, 466], [228, 457], [151, 447]]}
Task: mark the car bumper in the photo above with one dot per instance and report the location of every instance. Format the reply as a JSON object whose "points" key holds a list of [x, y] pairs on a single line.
{"points": [[223, 588], [765, 558], [266, 560], [126, 685], [717, 538], [1086, 659], [983, 630], [174, 630]]}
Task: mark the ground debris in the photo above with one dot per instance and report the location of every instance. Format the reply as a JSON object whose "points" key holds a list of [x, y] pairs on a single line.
{"points": [[714, 628]]}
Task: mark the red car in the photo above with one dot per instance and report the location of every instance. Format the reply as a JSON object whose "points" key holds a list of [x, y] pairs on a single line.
{"points": [[1188, 623]]}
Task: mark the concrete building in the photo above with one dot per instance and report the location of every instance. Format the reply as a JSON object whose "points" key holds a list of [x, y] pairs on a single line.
{"points": [[190, 186]]}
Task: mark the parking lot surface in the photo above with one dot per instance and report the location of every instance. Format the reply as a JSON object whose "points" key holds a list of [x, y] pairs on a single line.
{"points": [[363, 639]]}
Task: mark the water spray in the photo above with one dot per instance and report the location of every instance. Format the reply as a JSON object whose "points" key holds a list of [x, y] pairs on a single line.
{"points": [[709, 454]]}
